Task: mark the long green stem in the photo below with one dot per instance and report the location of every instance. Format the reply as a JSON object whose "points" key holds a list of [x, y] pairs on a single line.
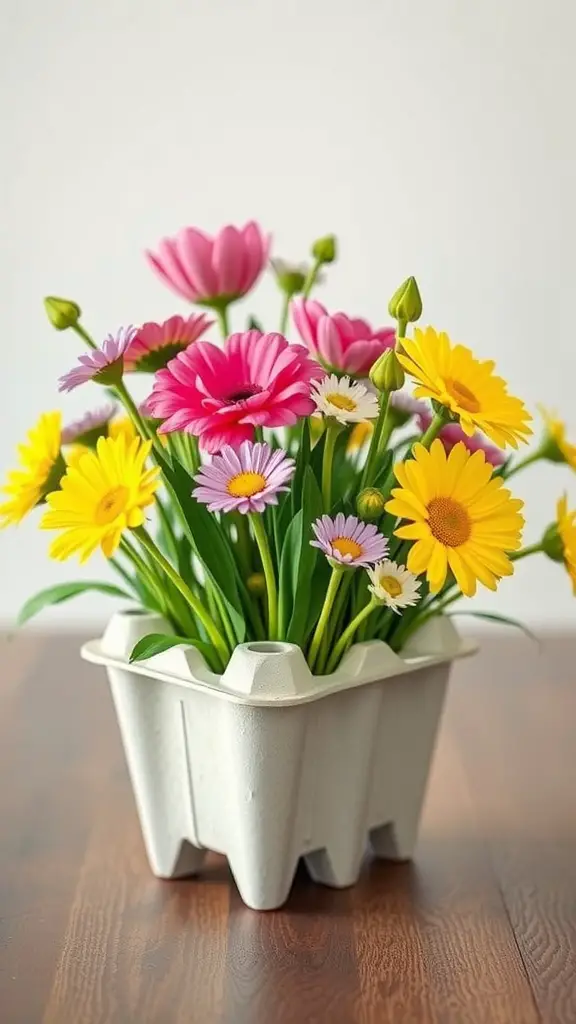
{"points": [[82, 333], [349, 633], [222, 315], [402, 635], [132, 410], [331, 592], [370, 464], [311, 279], [269, 574], [535, 457], [434, 429], [200, 612], [532, 549], [327, 463], [168, 530], [285, 312]]}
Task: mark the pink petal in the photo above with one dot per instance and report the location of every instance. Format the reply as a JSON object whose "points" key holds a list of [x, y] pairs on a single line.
{"points": [[167, 263], [229, 261], [256, 248], [360, 356], [329, 344], [195, 254]]}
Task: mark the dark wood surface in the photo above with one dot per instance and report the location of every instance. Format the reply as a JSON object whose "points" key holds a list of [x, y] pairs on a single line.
{"points": [[480, 928]]}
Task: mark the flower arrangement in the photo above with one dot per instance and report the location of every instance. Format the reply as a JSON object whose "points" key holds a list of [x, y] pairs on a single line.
{"points": [[270, 488]]}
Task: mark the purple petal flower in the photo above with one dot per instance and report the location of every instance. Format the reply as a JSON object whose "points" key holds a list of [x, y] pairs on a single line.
{"points": [[91, 425], [349, 541], [245, 480], [104, 365]]}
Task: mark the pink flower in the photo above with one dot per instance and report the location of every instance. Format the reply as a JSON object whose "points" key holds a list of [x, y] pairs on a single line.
{"points": [[346, 540], [154, 345], [105, 365], [246, 480], [203, 269], [452, 434], [220, 395], [338, 341], [90, 427]]}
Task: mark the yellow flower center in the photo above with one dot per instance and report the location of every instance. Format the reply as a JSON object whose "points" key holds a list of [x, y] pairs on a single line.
{"points": [[449, 522], [460, 394], [347, 546], [391, 585], [111, 505], [245, 485], [341, 401]]}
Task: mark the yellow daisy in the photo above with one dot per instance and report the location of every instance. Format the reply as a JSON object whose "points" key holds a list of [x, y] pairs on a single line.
{"points": [[100, 496], [556, 446], [452, 376], [123, 425], [566, 525], [41, 466], [463, 519]]}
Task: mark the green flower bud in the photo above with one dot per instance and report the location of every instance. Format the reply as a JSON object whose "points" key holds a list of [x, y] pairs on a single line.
{"points": [[62, 313], [291, 277], [406, 303], [256, 584], [370, 503], [324, 250], [386, 373], [552, 544]]}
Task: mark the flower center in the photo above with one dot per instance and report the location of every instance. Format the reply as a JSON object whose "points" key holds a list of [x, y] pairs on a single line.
{"points": [[246, 485], [111, 505], [465, 398], [391, 585], [245, 392], [347, 546], [449, 522], [341, 401]]}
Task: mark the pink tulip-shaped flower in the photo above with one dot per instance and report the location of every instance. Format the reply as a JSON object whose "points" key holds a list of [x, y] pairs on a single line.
{"points": [[212, 271], [221, 395], [340, 342]]}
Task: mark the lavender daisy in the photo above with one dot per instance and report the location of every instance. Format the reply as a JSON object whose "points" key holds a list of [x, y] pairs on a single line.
{"points": [[347, 541], [245, 480], [90, 427], [104, 365]]}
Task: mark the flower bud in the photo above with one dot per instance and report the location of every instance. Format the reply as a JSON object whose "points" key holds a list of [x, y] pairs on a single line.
{"points": [[324, 250], [386, 373], [552, 543], [256, 584], [291, 277], [62, 313], [406, 303], [370, 504]]}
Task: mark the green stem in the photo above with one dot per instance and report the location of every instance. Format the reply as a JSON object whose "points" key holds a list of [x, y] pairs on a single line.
{"points": [[402, 635], [132, 410], [285, 312], [434, 429], [535, 457], [82, 333], [311, 279], [349, 633], [222, 315], [532, 549], [331, 592], [369, 466], [201, 614], [168, 531], [268, 567], [327, 462], [387, 429]]}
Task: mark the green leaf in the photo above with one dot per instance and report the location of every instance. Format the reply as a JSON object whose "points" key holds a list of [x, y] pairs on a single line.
{"points": [[302, 557], [501, 620], [63, 592], [384, 467], [302, 461], [156, 643]]}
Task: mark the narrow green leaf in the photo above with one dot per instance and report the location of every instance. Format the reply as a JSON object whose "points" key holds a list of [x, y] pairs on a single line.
{"points": [[501, 620], [290, 550], [156, 643], [302, 460], [384, 467], [64, 592]]}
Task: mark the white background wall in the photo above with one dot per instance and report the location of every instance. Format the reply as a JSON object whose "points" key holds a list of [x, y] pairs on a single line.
{"points": [[435, 137]]}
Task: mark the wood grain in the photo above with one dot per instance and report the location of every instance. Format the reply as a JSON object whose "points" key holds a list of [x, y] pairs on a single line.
{"points": [[481, 929]]}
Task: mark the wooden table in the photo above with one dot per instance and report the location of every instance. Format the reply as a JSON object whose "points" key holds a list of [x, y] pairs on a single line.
{"points": [[481, 928]]}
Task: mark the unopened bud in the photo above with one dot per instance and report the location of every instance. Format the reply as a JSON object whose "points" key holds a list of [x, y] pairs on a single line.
{"points": [[324, 250], [256, 583], [370, 503], [62, 313], [552, 544], [406, 303], [386, 374], [291, 277]]}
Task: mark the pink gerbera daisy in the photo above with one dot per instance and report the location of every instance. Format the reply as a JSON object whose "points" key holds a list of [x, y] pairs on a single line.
{"points": [[154, 345], [347, 344], [104, 365], [346, 540], [244, 481], [220, 395], [89, 427]]}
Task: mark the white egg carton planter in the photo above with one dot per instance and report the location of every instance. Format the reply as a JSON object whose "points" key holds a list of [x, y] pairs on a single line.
{"points": [[268, 763]]}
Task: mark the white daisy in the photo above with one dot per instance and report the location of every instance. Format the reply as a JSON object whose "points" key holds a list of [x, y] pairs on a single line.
{"points": [[345, 400], [394, 585]]}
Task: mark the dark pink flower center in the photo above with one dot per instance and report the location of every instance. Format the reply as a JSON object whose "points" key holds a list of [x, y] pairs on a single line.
{"points": [[245, 392]]}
